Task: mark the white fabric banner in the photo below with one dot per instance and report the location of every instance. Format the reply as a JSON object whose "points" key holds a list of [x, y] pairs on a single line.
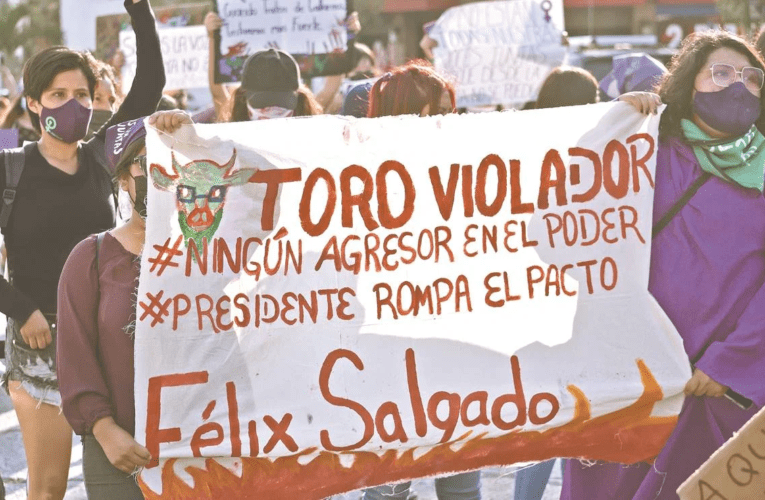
{"points": [[184, 53], [499, 52], [354, 302]]}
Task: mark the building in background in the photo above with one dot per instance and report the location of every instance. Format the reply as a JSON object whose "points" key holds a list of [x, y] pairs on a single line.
{"points": [[396, 25]]}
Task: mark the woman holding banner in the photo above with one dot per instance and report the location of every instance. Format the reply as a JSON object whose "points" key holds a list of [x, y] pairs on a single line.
{"points": [[96, 308], [416, 88], [62, 194], [707, 260]]}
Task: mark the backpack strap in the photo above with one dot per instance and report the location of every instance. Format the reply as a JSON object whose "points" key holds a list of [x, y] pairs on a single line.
{"points": [[99, 242], [14, 160], [680, 203]]}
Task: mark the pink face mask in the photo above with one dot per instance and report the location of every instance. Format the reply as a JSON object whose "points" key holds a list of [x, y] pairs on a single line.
{"points": [[268, 113]]}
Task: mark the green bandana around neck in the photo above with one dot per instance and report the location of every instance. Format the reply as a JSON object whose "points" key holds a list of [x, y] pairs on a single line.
{"points": [[740, 160]]}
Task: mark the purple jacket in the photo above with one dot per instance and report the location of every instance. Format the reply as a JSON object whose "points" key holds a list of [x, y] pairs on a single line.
{"points": [[708, 270]]}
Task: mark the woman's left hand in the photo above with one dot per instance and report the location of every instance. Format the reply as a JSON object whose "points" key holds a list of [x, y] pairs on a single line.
{"points": [[645, 102], [170, 121], [701, 384]]}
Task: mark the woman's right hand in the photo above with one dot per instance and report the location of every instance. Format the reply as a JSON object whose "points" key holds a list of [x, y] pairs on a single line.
{"points": [[119, 446], [645, 102], [36, 331], [171, 120], [213, 22]]}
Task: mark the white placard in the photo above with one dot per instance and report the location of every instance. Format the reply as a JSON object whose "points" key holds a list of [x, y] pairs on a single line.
{"points": [[184, 52], [499, 52], [295, 26]]}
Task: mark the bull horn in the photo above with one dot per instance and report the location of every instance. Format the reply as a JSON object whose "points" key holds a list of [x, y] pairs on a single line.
{"points": [[176, 165], [229, 165]]}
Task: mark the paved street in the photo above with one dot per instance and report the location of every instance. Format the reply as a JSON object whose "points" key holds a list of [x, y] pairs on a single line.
{"points": [[497, 482]]}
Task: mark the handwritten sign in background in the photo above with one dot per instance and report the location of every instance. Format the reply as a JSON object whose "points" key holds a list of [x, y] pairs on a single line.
{"points": [[374, 308], [108, 27], [303, 28], [184, 54], [499, 52]]}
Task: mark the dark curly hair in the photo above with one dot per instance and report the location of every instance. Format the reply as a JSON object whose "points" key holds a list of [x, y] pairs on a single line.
{"points": [[676, 87]]}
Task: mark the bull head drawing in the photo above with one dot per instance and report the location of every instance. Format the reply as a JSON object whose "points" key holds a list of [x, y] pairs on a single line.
{"points": [[200, 188]]}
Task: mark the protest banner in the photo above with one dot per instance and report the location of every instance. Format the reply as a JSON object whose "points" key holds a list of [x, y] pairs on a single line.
{"points": [[499, 52], [397, 298], [735, 471], [184, 54], [311, 30], [110, 27]]}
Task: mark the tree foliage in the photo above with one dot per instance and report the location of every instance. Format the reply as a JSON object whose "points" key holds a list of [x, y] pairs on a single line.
{"points": [[735, 12], [32, 24]]}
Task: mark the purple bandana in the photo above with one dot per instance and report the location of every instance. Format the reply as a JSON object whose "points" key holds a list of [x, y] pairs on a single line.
{"points": [[119, 137], [631, 73]]}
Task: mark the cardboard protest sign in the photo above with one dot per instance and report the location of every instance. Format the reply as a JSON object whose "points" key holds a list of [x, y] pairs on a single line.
{"points": [[311, 30], [399, 297], [737, 470], [499, 52], [185, 54], [109, 27]]}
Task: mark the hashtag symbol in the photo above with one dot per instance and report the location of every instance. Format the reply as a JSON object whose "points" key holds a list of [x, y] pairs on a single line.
{"points": [[165, 256], [157, 309]]}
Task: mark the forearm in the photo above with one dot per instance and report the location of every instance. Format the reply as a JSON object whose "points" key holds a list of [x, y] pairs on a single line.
{"points": [[331, 86], [149, 81], [85, 411], [15, 304], [220, 95], [738, 361], [102, 427]]}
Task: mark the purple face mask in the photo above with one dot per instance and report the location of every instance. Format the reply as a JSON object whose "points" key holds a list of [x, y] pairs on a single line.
{"points": [[732, 110], [67, 123]]}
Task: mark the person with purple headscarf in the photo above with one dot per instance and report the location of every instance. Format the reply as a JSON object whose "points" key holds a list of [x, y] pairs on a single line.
{"points": [[707, 263], [96, 313], [637, 72]]}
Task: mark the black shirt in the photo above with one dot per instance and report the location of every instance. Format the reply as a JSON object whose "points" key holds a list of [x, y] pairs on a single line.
{"points": [[53, 210]]}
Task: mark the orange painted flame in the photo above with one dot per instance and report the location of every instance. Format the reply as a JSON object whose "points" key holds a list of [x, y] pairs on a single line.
{"points": [[628, 435]]}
